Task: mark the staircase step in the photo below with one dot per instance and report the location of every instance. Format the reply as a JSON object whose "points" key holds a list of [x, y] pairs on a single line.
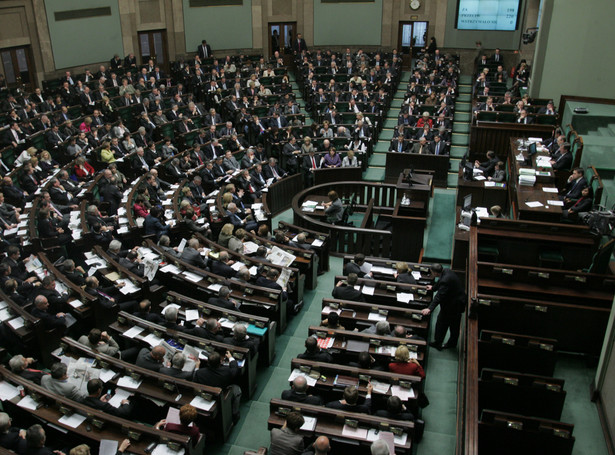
{"points": [[465, 79], [451, 180], [460, 139], [457, 151], [465, 89], [605, 132], [383, 145], [390, 123], [374, 175], [453, 164], [461, 127], [462, 117], [466, 97], [377, 159]]}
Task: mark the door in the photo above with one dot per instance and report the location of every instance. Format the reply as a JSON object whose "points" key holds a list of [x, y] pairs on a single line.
{"points": [[281, 35], [153, 45], [17, 67], [412, 36]]}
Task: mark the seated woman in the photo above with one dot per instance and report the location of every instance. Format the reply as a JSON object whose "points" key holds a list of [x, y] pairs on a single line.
{"points": [[350, 160], [47, 163], [583, 205], [140, 208], [334, 208], [86, 125], [154, 224], [225, 234], [187, 416], [403, 364], [332, 321], [403, 275], [332, 159], [106, 154], [83, 170]]}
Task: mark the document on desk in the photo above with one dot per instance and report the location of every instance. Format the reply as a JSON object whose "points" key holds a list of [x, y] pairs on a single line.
{"points": [[556, 203], [192, 315], [534, 204], [128, 382], [309, 423], [133, 332], [214, 287], [7, 391], [328, 309], [375, 316], [249, 247], [200, 403], [17, 323], [548, 189], [195, 278], [28, 402], [317, 242], [170, 305], [380, 387], [129, 287], [75, 303], [107, 447], [73, 420], [355, 433], [170, 268], [383, 270], [325, 343], [152, 340], [120, 394], [368, 290], [311, 382], [163, 449], [403, 393], [106, 375], [405, 297]]}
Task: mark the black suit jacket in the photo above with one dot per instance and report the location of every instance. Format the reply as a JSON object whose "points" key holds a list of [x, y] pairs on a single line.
{"points": [[291, 395], [449, 294], [220, 268], [223, 376], [364, 408], [347, 293]]}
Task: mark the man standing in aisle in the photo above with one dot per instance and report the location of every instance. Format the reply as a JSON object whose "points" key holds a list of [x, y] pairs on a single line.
{"points": [[450, 295]]}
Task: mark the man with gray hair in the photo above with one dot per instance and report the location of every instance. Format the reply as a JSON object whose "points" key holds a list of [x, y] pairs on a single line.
{"points": [[165, 243], [380, 447], [192, 254], [381, 328], [223, 299], [11, 438], [241, 339], [298, 393], [170, 316], [176, 369], [20, 365], [209, 329], [58, 383]]}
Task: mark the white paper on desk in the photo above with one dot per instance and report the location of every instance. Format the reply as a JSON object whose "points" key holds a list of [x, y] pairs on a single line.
{"points": [[95, 260], [22, 232], [128, 382], [309, 423], [405, 297], [374, 316], [416, 275], [172, 415], [226, 323], [170, 305], [195, 278], [181, 246], [163, 449], [479, 177], [548, 189], [237, 265], [123, 230], [23, 224], [317, 242], [120, 394], [380, 387], [28, 402], [368, 290], [192, 315], [75, 303], [249, 247], [128, 288], [488, 184], [73, 421], [152, 340], [366, 267], [170, 268], [253, 270], [311, 382], [383, 270], [106, 375], [8, 232], [7, 391], [133, 331], [534, 204], [356, 433], [327, 309], [402, 393], [3, 305], [556, 203], [5, 315], [214, 287], [17, 323], [200, 403], [401, 439], [107, 447]]}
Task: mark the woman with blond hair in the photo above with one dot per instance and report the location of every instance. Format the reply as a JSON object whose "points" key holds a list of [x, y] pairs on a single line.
{"points": [[403, 364]]}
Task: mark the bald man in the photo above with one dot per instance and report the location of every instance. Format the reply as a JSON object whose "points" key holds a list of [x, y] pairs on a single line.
{"points": [[298, 393], [152, 360]]}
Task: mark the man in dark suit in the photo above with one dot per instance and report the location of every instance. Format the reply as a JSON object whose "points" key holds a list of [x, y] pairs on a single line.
{"points": [[313, 352], [11, 438], [50, 321], [272, 170], [574, 186], [439, 147], [176, 369], [151, 359], [346, 291], [222, 265], [298, 393], [192, 255], [487, 166], [451, 296], [563, 158], [524, 119], [97, 400], [215, 374], [350, 401], [209, 329], [240, 339], [299, 44], [223, 299], [204, 50], [143, 312], [291, 150], [355, 265], [399, 145], [35, 441]]}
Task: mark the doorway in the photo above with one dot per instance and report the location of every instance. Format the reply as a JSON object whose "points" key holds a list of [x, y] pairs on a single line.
{"points": [[412, 37], [18, 68], [281, 36], [153, 45]]}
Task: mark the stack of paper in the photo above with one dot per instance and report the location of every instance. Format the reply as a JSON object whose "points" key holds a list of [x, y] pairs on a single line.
{"points": [[527, 180]]}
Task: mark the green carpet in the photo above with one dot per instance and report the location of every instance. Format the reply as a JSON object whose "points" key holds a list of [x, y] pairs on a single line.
{"points": [[383, 144], [465, 79], [378, 159], [465, 89], [464, 97], [462, 117], [460, 139], [390, 122], [452, 180], [374, 175], [441, 226], [461, 127], [458, 151]]}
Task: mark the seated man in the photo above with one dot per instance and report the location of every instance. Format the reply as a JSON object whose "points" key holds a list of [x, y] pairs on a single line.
{"points": [[41, 311], [298, 393], [241, 339], [223, 299], [209, 329], [287, 440], [487, 167], [109, 296], [151, 359], [395, 410], [222, 266], [58, 383], [313, 352], [143, 312], [97, 400], [11, 438], [215, 374], [192, 254], [574, 186], [499, 173], [355, 265], [100, 342], [345, 290], [350, 401], [421, 147], [20, 365], [176, 369]]}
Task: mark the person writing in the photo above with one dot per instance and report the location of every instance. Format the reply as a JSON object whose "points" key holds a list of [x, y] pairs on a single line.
{"points": [[334, 208]]}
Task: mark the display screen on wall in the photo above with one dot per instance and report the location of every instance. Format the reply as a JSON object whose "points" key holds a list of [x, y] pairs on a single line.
{"points": [[501, 15]]}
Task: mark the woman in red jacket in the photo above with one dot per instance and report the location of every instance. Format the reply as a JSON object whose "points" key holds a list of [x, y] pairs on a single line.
{"points": [[403, 364], [83, 170]]}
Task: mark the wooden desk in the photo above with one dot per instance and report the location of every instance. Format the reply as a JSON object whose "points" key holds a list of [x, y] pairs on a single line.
{"points": [[337, 174], [280, 195], [395, 162]]}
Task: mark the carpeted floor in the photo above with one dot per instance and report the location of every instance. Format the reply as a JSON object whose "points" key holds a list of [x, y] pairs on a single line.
{"points": [[440, 227]]}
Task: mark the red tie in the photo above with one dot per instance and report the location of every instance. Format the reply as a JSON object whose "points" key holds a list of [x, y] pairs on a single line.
{"points": [[313, 163]]}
